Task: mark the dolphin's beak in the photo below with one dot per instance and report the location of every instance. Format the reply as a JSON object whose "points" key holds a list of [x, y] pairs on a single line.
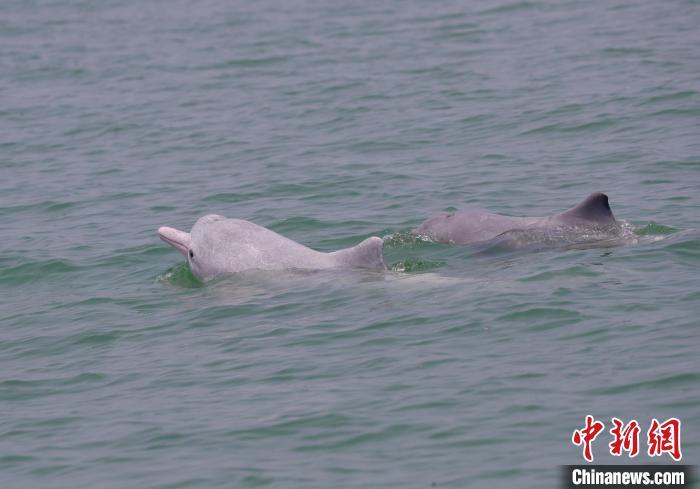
{"points": [[180, 240]]}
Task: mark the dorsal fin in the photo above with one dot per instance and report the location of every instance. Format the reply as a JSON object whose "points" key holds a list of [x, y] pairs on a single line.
{"points": [[367, 254], [595, 208]]}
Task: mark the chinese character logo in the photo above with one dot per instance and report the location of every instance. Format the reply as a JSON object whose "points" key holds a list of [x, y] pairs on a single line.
{"points": [[661, 438], [665, 438], [586, 435], [624, 438]]}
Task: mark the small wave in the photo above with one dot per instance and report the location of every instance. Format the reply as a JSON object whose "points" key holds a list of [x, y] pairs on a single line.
{"points": [[509, 7], [565, 129], [670, 97], [538, 319], [94, 338], [36, 270], [686, 249]]}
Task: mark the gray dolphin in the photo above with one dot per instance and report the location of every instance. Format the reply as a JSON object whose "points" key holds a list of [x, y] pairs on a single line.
{"points": [[476, 226], [217, 246]]}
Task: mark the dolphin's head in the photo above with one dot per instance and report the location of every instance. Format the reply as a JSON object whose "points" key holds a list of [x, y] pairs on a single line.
{"points": [[197, 246], [437, 226], [179, 240]]}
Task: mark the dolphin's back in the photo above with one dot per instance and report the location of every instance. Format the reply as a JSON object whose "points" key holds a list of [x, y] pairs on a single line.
{"points": [[224, 246], [239, 245], [474, 226], [594, 209], [368, 254], [470, 226]]}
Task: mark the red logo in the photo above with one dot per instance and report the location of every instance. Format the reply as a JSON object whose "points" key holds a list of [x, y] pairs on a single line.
{"points": [[661, 438], [586, 436], [665, 438], [625, 438]]}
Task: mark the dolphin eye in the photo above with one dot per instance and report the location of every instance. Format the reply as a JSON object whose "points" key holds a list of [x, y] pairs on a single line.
{"points": [[191, 254]]}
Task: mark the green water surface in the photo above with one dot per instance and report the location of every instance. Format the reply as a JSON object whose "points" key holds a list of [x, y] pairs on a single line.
{"points": [[330, 122]]}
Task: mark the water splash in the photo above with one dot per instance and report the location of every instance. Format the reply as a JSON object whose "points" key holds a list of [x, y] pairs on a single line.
{"points": [[403, 239], [180, 276], [415, 265]]}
